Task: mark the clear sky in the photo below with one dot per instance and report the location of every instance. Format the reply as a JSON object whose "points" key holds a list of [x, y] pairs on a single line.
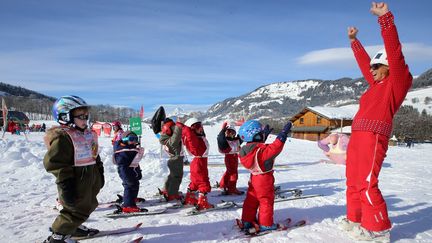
{"points": [[191, 53]]}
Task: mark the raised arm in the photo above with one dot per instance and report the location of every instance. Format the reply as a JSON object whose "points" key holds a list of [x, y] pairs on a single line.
{"points": [[360, 54], [398, 69]]}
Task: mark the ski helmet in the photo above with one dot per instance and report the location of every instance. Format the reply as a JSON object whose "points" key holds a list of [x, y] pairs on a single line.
{"points": [[129, 136], [249, 130], [191, 121], [63, 107], [231, 126], [117, 123], [380, 58]]}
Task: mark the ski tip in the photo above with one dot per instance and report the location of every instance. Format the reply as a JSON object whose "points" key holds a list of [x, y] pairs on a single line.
{"points": [[137, 240], [138, 225], [300, 223]]}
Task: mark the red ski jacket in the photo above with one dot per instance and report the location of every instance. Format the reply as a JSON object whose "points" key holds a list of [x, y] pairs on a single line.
{"points": [[381, 101]]}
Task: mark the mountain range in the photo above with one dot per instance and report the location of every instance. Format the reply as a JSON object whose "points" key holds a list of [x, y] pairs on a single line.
{"points": [[281, 99], [284, 99]]}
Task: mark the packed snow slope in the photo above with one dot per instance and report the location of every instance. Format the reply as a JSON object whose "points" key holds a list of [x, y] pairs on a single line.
{"points": [[28, 192]]}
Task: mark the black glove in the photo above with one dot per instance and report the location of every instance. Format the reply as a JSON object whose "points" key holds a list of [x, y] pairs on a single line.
{"points": [[68, 191], [282, 136], [101, 171], [267, 130]]}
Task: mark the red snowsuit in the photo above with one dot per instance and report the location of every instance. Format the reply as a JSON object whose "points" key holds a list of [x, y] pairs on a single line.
{"points": [[371, 130], [231, 148], [259, 159], [197, 146]]}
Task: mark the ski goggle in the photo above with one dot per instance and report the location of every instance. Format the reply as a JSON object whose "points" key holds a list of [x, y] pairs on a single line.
{"points": [[375, 66], [83, 117], [130, 139]]}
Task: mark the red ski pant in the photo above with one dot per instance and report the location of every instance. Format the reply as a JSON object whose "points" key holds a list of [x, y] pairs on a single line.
{"points": [[229, 179], [199, 179], [365, 204], [260, 195]]}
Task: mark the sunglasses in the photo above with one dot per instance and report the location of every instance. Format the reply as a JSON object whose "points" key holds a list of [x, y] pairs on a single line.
{"points": [[130, 139], [375, 66], [82, 117]]}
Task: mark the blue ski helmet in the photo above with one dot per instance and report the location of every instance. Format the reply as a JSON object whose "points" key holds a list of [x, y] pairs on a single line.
{"points": [[249, 129], [64, 105]]}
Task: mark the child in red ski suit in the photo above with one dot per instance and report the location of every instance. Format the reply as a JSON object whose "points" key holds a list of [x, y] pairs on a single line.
{"points": [[389, 81], [196, 144], [229, 144], [258, 158]]}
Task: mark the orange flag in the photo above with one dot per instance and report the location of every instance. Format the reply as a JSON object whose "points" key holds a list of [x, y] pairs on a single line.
{"points": [[142, 112]]}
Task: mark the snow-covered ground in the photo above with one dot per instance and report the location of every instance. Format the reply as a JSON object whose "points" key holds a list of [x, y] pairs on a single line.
{"points": [[28, 192]]}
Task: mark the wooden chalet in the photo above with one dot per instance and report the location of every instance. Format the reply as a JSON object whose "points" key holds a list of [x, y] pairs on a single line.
{"points": [[315, 123]]}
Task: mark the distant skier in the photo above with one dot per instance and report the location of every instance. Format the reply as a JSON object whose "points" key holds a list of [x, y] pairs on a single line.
{"points": [[72, 157], [171, 140], [118, 132], [389, 81], [229, 145], [196, 144], [127, 155], [258, 158], [334, 147]]}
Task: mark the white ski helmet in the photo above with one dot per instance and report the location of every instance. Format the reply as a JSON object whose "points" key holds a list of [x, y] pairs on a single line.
{"points": [[380, 58], [231, 126], [191, 121]]}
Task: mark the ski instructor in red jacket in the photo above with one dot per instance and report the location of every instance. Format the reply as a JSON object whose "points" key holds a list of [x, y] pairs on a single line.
{"points": [[389, 81]]}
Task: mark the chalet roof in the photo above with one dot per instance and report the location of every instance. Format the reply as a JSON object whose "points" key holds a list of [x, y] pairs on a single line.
{"points": [[319, 129], [346, 130], [344, 112]]}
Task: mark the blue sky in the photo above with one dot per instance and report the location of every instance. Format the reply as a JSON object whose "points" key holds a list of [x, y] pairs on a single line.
{"points": [[191, 54]]}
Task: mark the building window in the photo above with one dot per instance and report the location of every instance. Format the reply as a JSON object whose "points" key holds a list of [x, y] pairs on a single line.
{"points": [[301, 120], [318, 120]]}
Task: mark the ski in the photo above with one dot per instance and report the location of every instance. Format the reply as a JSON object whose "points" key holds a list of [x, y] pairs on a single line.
{"points": [[137, 240], [226, 194], [279, 199], [254, 231], [109, 232], [282, 198], [294, 191], [219, 206], [179, 205]]}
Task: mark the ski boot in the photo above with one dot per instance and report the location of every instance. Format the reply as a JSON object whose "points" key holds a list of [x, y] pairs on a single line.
{"points": [[59, 238], [169, 198], [361, 234], [203, 203], [347, 225], [84, 231], [119, 199], [190, 198], [133, 209], [244, 225], [256, 228]]}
